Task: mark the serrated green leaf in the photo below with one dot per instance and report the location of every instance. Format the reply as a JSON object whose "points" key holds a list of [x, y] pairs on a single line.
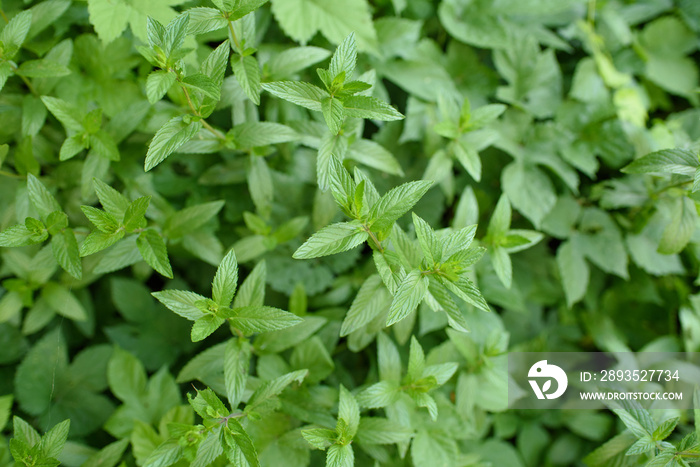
{"points": [[168, 138], [672, 161], [154, 252], [65, 250], [182, 302], [409, 294], [204, 20], [255, 319], [247, 72], [370, 107], [332, 239], [190, 218], [225, 280], [297, 92], [333, 113], [158, 83]]}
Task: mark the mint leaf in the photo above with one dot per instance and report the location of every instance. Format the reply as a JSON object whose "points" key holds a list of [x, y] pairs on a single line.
{"points": [[65, 250], [171, 136], [297, 92], [396, 203], [255, 319], [225, 280], [332, 239], [247, 72], [408, 296], [153, 250]]}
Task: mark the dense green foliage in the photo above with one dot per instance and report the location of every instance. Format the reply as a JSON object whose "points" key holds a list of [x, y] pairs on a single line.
{"points": [[303, 180]]}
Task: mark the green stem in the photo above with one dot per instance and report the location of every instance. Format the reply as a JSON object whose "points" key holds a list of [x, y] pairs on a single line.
{"points": [[206, 125], [10, 174], [26, 81], [591, 12], [4, 16], [374, 239], [233, 36]]}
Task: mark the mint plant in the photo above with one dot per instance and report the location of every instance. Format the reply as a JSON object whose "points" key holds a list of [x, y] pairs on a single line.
{"points": [[309, 232]]}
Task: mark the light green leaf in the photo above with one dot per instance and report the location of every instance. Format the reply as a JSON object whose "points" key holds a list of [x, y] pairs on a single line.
{"points": [[370, 107], [43, 201], [573, 270], [396, 203], [256, 319], [332, 239], [236, 365], [348, 411], [154, 251], [254, 134], [109, 18], [20, 235], [67, 254], [204, 326], [63, 302], [530, 190], [15, 32], [200, 82], [103, 220], [319, 438], [182, 302], [502, 265], [370, 301], [333, 114], [671, 161], [468, 157], [677, 234], [33, 116], [375, 430], [500, 220], [340, 456], [109, 456], [204, 20], [244, 443], [42, 69], [408, 296], [344, 58], [98, 241], [432, 248], [66, 113], [112, 201], [190, 218], [297, 92], [53, 441], [171, 136], [291, 61], [135, 215], [126, 376], [158, 83], [245, 7], [272, 388], [247, 72], [323, 15], [260, 185], [225, 280]]}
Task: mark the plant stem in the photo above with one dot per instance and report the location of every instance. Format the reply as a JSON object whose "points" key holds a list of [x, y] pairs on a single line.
{"points": [[9, 174], [4, 16], [591, 12], [374, 239], [26, 81], [206, 125], [233, 36], [216, 132]]}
